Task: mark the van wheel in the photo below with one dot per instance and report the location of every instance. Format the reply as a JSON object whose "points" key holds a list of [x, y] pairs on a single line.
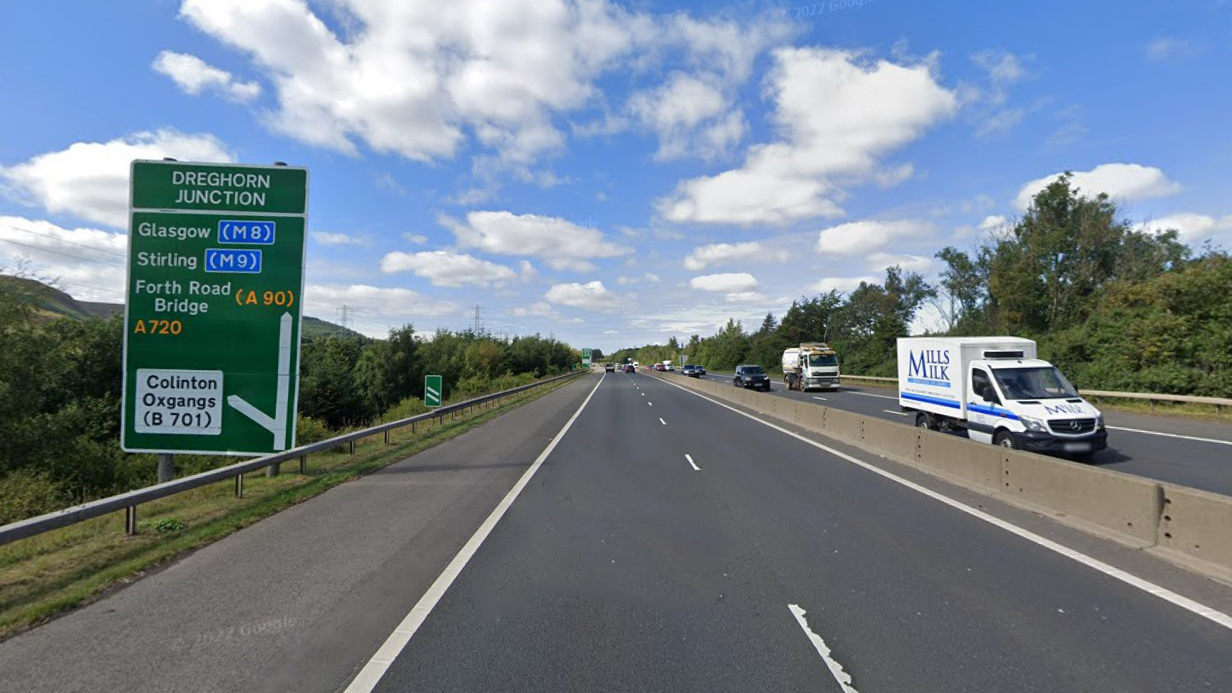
{"points": [[923, 420], [1005, 440]]}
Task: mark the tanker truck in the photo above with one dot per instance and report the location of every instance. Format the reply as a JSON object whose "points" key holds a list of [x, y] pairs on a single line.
{"points": [[810, 365]]}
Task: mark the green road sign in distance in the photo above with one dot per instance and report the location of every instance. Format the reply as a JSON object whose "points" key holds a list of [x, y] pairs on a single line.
{"points": [[585, 357], [212, 320], [432, 390]]}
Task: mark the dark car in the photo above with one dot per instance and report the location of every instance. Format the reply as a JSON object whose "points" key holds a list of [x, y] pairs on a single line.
{"points": [[752, 376], [629, 368], [693, 371], [609, 368]]}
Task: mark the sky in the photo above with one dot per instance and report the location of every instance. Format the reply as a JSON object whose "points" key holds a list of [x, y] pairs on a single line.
{"points": [[610, 173]]}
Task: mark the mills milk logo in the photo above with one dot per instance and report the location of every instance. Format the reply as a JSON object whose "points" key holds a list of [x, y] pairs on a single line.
{"points": [[929, 367]]}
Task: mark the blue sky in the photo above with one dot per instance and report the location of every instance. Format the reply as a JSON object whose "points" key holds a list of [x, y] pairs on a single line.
{"points": [[610, 173]]}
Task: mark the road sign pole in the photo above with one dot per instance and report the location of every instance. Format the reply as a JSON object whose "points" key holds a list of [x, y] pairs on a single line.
{"points": [[166, 467]]}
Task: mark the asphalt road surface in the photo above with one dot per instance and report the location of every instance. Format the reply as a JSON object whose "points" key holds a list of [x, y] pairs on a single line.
{"points": [[652, 541], [1189, 452]]}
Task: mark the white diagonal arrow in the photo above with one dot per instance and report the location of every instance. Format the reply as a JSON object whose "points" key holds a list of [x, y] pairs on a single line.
{"points": [[278, 423]]}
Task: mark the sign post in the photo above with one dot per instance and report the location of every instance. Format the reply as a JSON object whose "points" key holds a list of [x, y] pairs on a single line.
{"points": [[432, 390], [214, 301]]}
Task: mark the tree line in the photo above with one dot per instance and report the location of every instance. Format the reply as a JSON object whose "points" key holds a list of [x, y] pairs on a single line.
{"points": [[1114, 307], [60, 395]]}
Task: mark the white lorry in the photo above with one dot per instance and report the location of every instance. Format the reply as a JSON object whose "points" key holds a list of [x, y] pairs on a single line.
{"points": [[997, 390], [812, 364]]}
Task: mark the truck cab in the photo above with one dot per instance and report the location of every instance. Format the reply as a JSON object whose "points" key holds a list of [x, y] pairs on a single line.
{"points": [[810, 365]]}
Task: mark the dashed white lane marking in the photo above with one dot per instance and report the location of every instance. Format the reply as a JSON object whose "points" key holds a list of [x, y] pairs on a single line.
{"points": [[869, 394], [650, 403], [836, 669], [662, 421], [692, 463], [896, 413], [820, 398], [1111, 571]]}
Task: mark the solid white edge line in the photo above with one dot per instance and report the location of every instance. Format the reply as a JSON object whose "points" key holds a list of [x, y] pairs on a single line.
{"points": [[693, 464], [869, 394], [896, 413], [662, 421], [371, 674], [1094, 563], [1172, 435], [820, 398], [836, 669]]}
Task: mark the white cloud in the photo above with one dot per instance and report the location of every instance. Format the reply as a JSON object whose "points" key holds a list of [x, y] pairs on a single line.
{"points": [[91, 179], [841, 284], [86, 263], [721, 253], [193, 75], [1129, 182], [444, 268], [992, 115], [539, 309], [593, 295], [651, 277], [835, 117], [690, 116], [732, 282], [333, 238], [376, 309], [1191, 227], [909, 263], [1169, 48], [993, 222], [419, 79], [559, 243], [1003, 68], [858, 237], [745, 297]]}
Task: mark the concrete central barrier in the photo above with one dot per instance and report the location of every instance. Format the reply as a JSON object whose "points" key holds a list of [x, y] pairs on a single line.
{"points": [[1196, 525]]}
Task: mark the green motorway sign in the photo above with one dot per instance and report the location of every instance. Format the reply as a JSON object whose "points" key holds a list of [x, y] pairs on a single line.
{"points": [[586, 356], [215, 296], [432, 390]]}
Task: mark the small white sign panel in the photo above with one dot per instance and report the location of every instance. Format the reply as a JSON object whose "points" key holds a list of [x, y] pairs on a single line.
{"points": [[179, 402]]}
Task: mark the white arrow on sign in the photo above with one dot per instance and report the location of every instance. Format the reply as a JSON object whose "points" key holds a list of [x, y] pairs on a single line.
{"points": [[278, 423]]}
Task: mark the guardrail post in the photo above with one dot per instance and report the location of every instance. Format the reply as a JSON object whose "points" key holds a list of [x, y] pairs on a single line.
{"points": [[387, 436], [166, 467], [130, 520], [239, 485], [351, 443], [303, 464], [412, 428], [273, 470]]}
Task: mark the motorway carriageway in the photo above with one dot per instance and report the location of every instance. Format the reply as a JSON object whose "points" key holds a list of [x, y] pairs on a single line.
{"points": [[1185, 451], [625, 534]]}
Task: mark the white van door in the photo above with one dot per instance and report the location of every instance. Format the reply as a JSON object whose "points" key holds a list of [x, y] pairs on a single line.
{"points": [[980, 394]]}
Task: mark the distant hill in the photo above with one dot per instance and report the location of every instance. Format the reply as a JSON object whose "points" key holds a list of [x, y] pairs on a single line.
{"points": [[50, 303]]}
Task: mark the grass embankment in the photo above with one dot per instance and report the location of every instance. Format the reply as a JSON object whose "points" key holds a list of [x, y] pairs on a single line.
{"points": [[54, 572]]}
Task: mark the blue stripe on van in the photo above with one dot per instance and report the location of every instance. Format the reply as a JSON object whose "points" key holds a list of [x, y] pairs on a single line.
{"points": [[932, 400], [991, 411]]}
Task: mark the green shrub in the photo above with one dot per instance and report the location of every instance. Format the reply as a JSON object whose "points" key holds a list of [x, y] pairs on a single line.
{"points": [[25, 493], [309, 430]]}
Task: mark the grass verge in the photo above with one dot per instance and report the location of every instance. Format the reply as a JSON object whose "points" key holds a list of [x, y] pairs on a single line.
{"points": [[49, 574]]}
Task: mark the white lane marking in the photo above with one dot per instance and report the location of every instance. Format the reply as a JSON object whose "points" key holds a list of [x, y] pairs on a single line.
{"points": [[376, 667], [692, 463], [820, 398], [662, 421], [650, 403], [896, 413], [1172, 435], [1150, 588], [869, 394], [643, 394], [836, 669]]}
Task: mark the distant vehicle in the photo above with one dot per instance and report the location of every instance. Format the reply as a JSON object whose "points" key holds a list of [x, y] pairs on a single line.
{"points": [[667, 365], [692, 370], [751, 376], [609, 368], [810, 365], [660, 367], [996, 389], [629, 368]]}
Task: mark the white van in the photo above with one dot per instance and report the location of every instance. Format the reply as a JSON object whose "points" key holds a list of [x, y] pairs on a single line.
{"points": [[997, 390]]}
